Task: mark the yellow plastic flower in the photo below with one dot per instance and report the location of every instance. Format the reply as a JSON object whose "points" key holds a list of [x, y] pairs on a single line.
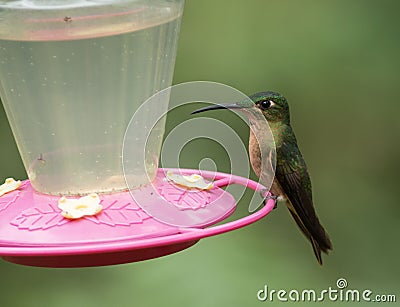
{"points": [[9, 185], [192, 181], [77, 208]]}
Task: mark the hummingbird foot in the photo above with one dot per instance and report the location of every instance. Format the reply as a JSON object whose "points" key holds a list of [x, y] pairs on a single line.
{"points": [[274, 197], [268, 197]]}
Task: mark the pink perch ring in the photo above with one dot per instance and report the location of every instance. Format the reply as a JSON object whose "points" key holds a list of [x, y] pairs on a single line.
{"points": [[33, 231]]}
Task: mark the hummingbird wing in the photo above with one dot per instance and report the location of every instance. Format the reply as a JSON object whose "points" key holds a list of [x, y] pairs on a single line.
{"points": [[294, 180]]}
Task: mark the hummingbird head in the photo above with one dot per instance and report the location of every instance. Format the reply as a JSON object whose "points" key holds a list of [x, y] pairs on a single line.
{"points": [[272, 105]]}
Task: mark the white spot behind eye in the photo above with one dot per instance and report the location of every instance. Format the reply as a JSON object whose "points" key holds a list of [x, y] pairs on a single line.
{"points": [[272, 103]]}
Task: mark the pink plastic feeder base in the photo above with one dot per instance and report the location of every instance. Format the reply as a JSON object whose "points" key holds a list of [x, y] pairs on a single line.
{"points": [[101, 259], [33, 231]]}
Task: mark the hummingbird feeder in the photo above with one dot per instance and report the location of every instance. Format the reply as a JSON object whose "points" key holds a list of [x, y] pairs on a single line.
{"points": [[73, 72]]}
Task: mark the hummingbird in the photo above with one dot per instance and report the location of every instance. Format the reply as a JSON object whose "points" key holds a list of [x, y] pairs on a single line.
{"points": [[291, 180]]}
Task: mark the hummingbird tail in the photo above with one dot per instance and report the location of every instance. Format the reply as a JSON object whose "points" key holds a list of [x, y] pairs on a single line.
{"points": [[316, 249], [318, 237]]}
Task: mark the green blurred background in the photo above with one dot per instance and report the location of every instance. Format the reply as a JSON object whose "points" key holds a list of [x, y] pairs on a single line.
{"points": [[338, 64]]}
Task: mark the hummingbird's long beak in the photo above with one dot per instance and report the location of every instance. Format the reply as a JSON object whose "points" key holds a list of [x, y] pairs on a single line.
{"points": [[218, 107]]}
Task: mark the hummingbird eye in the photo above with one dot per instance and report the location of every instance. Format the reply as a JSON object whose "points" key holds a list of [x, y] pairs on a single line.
{"points": [[265, 104]]}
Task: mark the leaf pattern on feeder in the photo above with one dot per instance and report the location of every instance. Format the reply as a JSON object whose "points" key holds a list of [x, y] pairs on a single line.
{"points": [[119, 213], [39, 218], [184, 199], [8, 199], [11, 197], [49, 215]]}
